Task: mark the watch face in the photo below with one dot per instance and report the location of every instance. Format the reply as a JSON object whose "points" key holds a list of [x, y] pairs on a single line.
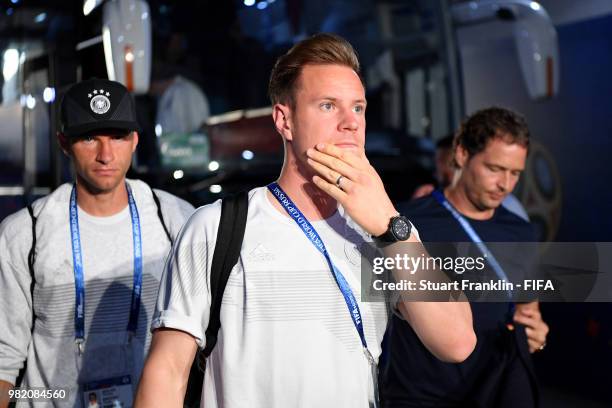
{"points": [[401, 229]]}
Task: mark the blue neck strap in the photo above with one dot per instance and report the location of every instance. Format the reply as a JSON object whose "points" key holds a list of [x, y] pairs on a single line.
{"points": [[469, 230], [77, 261], [315, 239]]}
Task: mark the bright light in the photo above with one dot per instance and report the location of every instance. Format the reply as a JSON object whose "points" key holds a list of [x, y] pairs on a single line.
{"points": [[213, 166], [108, 52], [30, 102], [249, 3], [14, 1], [247, 155], [271, 1], [88, 6], [535, 5], [262, 5], [129, 56], [215, 189], [178, 174], [158, 130], [40, 18], [11, 63], [144, 16], [49, 95]]}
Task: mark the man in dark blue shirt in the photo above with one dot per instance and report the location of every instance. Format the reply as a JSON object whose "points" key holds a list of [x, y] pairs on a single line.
{"points": [[490, 150]]}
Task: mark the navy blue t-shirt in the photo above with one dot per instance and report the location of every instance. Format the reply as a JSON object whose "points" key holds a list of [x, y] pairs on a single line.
{"points": [[413, 375]]}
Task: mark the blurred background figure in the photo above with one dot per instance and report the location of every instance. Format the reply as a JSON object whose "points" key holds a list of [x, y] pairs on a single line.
{"points": [[444, 173]]}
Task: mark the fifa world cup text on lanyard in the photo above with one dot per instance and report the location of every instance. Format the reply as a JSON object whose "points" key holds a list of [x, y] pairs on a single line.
{"points": [[77, 261], [343, 285]]}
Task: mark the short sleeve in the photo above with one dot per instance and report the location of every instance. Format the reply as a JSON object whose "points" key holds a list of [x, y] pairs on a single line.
{"points": [[184, 295]]}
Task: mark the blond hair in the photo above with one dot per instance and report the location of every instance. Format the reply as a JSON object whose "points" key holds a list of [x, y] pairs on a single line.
{"points": [[320, 49]]}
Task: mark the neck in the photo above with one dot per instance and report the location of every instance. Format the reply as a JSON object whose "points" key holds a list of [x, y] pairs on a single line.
{"points": [[101, 203], [457, 195], [312, 202]]}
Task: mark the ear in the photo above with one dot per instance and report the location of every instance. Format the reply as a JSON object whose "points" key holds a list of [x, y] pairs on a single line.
{"points": [[281, 114], [64, 143], [461, 156], [135, 141]]}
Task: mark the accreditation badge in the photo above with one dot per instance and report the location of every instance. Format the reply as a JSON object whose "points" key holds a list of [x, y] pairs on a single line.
{"points": [[114, 392], [106, 376]]}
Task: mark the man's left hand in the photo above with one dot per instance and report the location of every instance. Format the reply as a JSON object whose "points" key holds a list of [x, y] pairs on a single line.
{"points": [[360, 189], [528, 314]]}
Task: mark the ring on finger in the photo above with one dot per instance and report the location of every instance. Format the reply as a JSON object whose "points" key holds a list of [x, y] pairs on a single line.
{"points": [[338, 181], [542, 346]]}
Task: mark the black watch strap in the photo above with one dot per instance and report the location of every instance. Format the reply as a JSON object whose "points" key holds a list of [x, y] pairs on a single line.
{"points": [[399, 229]]}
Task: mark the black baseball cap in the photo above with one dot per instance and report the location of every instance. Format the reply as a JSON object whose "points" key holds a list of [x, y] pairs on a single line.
{"points": [[97, 104]]}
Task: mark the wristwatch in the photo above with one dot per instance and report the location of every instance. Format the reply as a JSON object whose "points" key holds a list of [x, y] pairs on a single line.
{"points": [[399, 230]]}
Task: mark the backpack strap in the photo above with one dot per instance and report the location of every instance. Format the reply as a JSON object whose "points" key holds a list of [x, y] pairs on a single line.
{"points": [[31, 261], [32, 253], [232, 225], [161, 216], [234, 210]]}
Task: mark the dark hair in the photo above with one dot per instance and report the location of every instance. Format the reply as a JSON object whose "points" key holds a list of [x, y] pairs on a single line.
{"points": [[486, 124], [320, 49], [446, 142]]}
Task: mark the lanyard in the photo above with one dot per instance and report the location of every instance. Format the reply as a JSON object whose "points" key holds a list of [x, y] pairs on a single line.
{"points": [[315, 239], [499, 271], [77, 261]]}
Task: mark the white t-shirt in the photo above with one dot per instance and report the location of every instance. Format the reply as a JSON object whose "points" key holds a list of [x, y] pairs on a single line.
{"points": [[286, 337], [108, 257]]}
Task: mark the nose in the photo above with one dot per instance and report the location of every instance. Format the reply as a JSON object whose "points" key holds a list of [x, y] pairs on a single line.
{"points": [[505, 182], [349, 121], [105, 150]]}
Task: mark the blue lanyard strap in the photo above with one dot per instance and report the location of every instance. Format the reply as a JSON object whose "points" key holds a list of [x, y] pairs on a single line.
{"points": [[314, 238], [77, 264], [499, 271], [137, 248], [77, 261]]}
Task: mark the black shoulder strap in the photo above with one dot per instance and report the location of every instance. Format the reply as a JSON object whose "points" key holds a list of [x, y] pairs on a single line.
{"points": [[234, 210], [160, 215], [32, 253], [31, 260], [232, 224]]}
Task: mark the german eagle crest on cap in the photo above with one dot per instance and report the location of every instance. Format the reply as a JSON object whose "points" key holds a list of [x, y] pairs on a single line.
{"points": [[99, 103]]}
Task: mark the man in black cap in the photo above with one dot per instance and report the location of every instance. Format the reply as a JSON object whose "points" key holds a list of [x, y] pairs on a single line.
{"points": [[80, 268]]}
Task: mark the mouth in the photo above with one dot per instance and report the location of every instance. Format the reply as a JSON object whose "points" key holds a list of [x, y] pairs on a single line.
{"points": [[105, 172], [496, 196], [347, 145]]}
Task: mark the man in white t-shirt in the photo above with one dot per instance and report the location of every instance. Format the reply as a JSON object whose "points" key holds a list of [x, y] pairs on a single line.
{"points": [[79, 275], [287, 337]]}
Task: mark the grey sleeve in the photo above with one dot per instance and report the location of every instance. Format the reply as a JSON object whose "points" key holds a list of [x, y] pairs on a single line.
{"points": [[15, 297]]}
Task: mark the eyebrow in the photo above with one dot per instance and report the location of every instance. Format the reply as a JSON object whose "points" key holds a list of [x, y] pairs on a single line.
{"points": [[502, 167], [334, 99]]}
